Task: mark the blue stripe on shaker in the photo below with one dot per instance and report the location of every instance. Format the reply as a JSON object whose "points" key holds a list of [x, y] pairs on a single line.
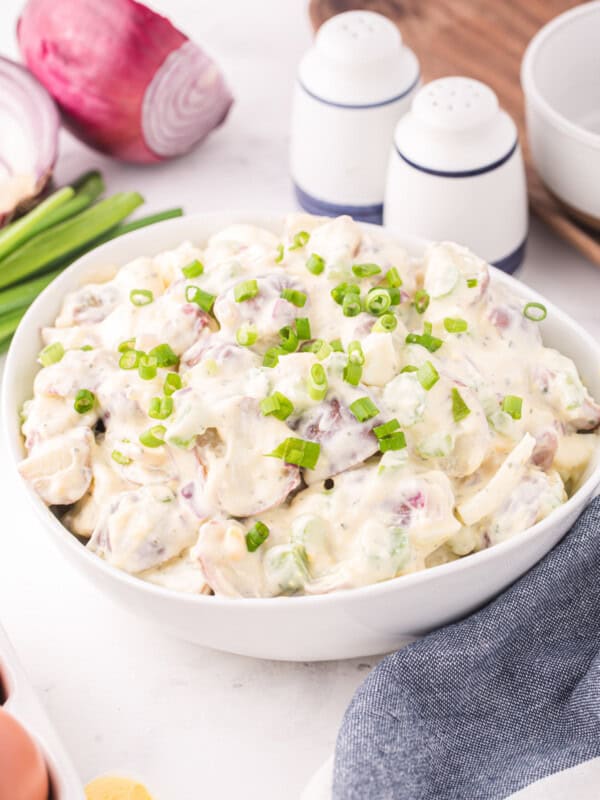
{"points": [[313, 205], [513, 261], [467, 173], [360, 106]]}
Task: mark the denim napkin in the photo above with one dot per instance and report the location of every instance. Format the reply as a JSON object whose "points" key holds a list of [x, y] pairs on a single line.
{"points": [[489, 705]]}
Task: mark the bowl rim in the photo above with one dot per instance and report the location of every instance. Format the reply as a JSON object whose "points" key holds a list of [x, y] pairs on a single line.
{"points": [[29, 326], [530, 88]]}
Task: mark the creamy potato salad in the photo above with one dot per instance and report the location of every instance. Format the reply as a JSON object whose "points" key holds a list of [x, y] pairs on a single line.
{"points": [[301, 412]]}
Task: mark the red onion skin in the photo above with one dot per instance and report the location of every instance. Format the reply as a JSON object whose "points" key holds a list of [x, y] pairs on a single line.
{"points": [[63, 43]]}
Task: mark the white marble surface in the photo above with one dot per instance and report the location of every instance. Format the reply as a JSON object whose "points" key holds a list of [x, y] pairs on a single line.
{"points": [[190, 722]]}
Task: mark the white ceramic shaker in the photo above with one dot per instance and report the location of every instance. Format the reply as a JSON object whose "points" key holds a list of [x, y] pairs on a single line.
{"points": [[456, 172], [353, 86]]}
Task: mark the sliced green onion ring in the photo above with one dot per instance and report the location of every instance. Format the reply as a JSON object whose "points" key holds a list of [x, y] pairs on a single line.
{"points": [[161, 407], [246, 290], [381, 431], [513, 405], [315, 264], [317, 383], [51, 354], [377, 301], [365, 270], [257, 535], [289, 339], [299, 240], [536, 312], [120, 458], [164, 355], [421, 301], [294, 297], [393, 279], [385, 324], [172, 383], [147, 367], [303, 328], [130, 359], [277, 405], [84, 401], [153, 437], [427, 375], [194, 294], [460, 409], [455, 324], [301, 452], [364, 409], [246, 335], [193, 269], [141, 297]]}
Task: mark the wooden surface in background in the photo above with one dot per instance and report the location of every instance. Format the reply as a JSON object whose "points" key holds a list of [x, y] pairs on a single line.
{"points": [[483, 39]]}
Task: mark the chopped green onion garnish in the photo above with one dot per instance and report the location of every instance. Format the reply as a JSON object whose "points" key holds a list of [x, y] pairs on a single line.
{"points": [[130, 359], [409, 368], [87, 347], [342, 289], [51, 354], [535, 312], [460, 409], [154, 436], [381, 431], [336, 345], [303, 327], [279, 256], [295, 297], [257, 535], [147, 367], [164, 355], [421, 301], [395, 441], [84, 401], [194, 294], [298, 451], [246, 335], [193, 269], [352, 373], [426, 340], [393, 278], [172, 383], [355, 353], [472, 282], [319, 347], [363, 409], [277, 405], [117, 456], [141, 297], [299, 240], [394, 295], [245, 291], [317, 383], [315, 264], [455, 324], [129, 344], [365, 270], [161, 407], [289, 339], [351, 305], [428, 375], [385, 324], [271, 357], [513, 405], [377, 301]]}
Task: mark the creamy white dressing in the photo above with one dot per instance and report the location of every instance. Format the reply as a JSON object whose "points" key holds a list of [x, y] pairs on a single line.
{"points": [[208, 506]]}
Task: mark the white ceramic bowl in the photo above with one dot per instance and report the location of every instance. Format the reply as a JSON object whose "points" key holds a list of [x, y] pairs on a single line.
{"points": [[560, 76], [357, 622]]}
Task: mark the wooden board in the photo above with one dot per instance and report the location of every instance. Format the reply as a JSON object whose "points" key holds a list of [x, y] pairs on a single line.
{"points": [[483, 39]]}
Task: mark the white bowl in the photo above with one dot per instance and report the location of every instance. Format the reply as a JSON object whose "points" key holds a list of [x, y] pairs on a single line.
{"points": [[358, 622], [560, 76]]}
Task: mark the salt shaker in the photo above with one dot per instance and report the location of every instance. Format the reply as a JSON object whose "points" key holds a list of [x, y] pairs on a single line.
{"points": [[456, 172], [353, 86]]}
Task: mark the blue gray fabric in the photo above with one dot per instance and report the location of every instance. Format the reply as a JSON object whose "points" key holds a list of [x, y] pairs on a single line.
{"points": [[490, 704]]}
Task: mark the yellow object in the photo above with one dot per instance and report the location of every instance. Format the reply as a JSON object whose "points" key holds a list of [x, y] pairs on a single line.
{"points": [[114, 788]]}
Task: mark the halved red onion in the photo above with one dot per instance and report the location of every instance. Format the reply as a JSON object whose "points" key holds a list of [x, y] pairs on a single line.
{"points": [[29, 125], [127, 81]]}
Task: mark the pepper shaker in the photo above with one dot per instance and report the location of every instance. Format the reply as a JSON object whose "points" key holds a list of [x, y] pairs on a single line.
{"points": [[456, 172], [353, 86]]}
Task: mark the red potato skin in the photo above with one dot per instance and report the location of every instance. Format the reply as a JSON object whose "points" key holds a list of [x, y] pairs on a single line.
{"points": [[23, 773], [100, 109]]}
